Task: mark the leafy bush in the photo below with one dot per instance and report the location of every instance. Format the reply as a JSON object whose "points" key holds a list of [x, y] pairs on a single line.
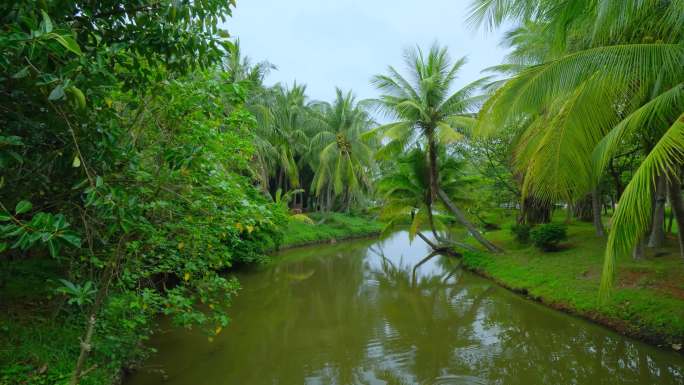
{"points": [[130, 167], [521, 232], [547, 236]]}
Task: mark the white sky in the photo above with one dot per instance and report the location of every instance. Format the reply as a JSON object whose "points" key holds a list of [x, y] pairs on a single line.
{"points": [[327, 44]]}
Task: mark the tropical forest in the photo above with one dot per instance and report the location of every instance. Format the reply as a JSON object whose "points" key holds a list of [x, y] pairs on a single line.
{"points": [[212, 192]]}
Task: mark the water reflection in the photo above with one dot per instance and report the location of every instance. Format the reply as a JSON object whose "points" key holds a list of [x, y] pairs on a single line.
{"points": [[355, 313]]}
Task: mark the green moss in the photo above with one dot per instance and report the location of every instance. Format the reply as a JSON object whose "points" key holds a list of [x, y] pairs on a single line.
{"points": [[648, 299], [326, 227]]}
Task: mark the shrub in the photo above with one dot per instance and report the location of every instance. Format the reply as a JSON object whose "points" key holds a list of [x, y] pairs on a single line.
{"points": [[521, 232], [547, 236]]}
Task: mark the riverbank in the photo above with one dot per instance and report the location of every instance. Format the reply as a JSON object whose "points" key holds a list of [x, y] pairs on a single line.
{"points": [[648, 299], [39, 332], [328, 227]]}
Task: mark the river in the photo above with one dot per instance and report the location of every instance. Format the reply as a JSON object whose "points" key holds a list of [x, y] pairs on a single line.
{"points": [[355, 313]]}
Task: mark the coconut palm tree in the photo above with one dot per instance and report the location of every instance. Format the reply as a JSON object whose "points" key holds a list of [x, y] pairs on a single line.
{"points": [[613, 74], [405, 192], [425, 111], [240, 68], [281, 136], [343, 146]]}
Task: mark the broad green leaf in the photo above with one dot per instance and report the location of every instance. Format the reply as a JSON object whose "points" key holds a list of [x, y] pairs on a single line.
{"points": [[72, 239], [46, 24], [23, 207], [22, 73], [68, 42], [56, 93], [3, 246], [53, 247]]}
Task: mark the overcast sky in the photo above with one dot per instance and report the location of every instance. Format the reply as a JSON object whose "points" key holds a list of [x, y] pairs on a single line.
{"points": [[343, 43]]}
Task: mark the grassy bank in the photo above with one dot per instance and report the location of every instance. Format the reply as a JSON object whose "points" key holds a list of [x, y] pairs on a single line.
{"points": [[648, 299], [328, 227]]}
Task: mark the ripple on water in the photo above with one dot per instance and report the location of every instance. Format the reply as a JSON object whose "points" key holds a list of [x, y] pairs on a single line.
{"points": [[455, 379]]}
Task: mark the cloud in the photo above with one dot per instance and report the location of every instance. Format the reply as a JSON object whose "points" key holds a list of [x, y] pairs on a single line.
{"points": [[328, 44]]}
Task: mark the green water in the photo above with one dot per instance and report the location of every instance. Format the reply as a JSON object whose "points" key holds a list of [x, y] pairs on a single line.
{"points": [[352, 313]]}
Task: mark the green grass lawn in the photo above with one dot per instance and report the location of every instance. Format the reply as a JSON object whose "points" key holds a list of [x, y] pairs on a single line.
{"points": [[327, 227], [648, 298]]}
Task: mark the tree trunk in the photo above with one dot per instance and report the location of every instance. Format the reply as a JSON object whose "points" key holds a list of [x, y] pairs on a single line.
{"points": [[431, 221], [675, 190], [617, 181], [85, 350], [583, 208], [657, 237], [465, 222], [435, 190], [434, 177], [535, 211], [596, 211], [639, 250]]}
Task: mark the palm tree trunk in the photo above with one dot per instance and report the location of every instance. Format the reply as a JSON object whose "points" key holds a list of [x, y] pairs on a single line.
{"points": [[435, 190], [583, 208], [434, 173], [675, 190], [329, 198], [535, 211], [657, 237], [596, 212], [467, 224], [639, 251], [431, 221]]}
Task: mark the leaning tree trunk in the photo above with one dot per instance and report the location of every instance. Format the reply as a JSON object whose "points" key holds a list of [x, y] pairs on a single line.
{"points": [[596, 212], [461, 218], [675, 190], [435, 190], [657, 237]]}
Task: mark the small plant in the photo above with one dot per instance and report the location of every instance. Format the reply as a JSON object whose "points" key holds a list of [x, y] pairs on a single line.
{"points": [[79, 295], [547, 236], [521, 231]]}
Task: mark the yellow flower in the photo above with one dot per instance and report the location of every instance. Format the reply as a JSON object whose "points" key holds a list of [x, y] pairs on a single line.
{"points": [[186, 277]]}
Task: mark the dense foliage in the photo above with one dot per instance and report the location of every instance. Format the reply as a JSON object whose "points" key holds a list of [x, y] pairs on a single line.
{"points": [[127, 167], [142, 156], [589, 81]]}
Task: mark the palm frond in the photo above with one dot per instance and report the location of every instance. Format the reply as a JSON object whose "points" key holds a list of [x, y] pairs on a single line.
{"points": [[633, 213]]}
